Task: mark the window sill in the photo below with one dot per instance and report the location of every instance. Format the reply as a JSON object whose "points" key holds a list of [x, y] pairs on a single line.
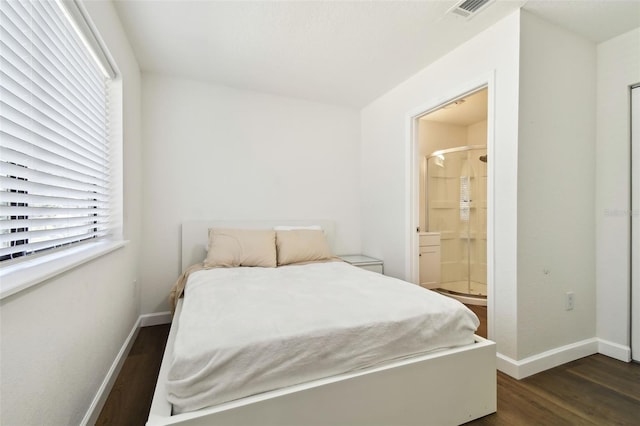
{"points": [[20, 276]]}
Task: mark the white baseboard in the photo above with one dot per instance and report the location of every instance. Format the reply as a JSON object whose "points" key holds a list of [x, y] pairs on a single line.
{"points": [[146, 320], [159, 318], [95, 408], [614, 350], [546, 360], [507, 365]]}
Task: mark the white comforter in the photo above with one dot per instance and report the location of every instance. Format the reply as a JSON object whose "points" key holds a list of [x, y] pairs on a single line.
{"points": [[244, 331]]}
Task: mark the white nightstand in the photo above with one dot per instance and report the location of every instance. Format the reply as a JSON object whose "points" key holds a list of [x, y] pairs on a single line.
{"points": [[364, 262]]}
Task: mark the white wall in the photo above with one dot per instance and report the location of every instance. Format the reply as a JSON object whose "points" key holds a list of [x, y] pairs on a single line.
{"points": [[477, 133], [618, 68], [216, 152], [434, 136], [556, 179], [60, 338], [386, 151]]}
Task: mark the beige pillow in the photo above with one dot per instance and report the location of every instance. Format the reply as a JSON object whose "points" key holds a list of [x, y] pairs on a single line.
{"points": [[302, 245], [241, 247]]}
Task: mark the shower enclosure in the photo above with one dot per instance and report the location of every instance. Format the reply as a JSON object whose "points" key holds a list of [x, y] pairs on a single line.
{"points": [[456, 207]]}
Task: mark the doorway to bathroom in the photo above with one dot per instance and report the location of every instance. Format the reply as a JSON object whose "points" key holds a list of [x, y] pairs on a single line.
{"points": [[452, 208]]}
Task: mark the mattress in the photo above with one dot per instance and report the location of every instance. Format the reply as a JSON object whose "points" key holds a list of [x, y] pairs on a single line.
{"points": [[244, 331]]}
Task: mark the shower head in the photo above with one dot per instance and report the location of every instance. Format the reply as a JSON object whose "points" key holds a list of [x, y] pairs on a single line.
{"points": [[483, 158]]}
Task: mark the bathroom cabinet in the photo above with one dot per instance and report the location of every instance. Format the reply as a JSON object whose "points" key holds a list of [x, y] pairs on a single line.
{"points": [[429, 259]]}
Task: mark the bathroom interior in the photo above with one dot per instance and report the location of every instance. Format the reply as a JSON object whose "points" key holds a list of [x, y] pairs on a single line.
{"points": [[453, 199]]}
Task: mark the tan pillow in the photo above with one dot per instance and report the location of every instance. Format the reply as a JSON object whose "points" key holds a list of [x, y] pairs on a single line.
{"points": [[241, 247], [301, 245]]}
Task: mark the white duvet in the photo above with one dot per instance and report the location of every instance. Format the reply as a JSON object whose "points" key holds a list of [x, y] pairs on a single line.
{"points": [[243, 331]]}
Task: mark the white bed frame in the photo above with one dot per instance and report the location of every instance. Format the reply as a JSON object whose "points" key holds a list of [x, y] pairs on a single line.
{"points": [[446, 387]]}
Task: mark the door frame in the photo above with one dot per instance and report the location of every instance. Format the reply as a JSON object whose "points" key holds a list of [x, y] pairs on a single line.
{"points": [[634, 221], [412, 181]]}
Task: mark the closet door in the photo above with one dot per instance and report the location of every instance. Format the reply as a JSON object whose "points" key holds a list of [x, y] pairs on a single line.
{"points": [[635, 223]]}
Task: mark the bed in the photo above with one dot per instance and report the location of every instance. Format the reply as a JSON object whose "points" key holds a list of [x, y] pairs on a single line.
{"points": [[437, 385]]}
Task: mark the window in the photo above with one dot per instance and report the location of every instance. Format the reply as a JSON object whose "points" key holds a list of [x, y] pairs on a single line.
{"points": [[55, 182]]}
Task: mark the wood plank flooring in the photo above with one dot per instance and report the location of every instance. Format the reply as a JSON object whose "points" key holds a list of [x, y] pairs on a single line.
{"points": [[595, 390], [481, 312], [130, 398]]}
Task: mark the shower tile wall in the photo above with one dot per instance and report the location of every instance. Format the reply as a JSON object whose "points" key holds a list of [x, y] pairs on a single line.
{"points": [[435, 136]]}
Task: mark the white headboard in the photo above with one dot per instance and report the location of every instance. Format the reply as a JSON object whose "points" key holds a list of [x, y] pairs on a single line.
{"points": [[195, 234]]}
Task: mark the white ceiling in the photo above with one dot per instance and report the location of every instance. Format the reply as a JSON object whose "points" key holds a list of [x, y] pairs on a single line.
{"points": [[596, 20], [338, 52], [473, 109]]}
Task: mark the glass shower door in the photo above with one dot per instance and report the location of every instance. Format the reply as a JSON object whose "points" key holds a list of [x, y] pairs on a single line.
{"points": [[477, 226], [448, 213], [456, 207]]}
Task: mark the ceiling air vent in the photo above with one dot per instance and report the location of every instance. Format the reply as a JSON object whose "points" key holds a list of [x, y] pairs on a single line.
{"points": [[468, 8]]}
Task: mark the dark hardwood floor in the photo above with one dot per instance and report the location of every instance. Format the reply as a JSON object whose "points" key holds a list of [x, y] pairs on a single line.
{"points": [[481, 312], [595, 390], [130, 398]]}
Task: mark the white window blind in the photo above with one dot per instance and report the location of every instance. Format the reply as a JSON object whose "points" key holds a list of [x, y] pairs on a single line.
{"points": [[54, 152]]}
